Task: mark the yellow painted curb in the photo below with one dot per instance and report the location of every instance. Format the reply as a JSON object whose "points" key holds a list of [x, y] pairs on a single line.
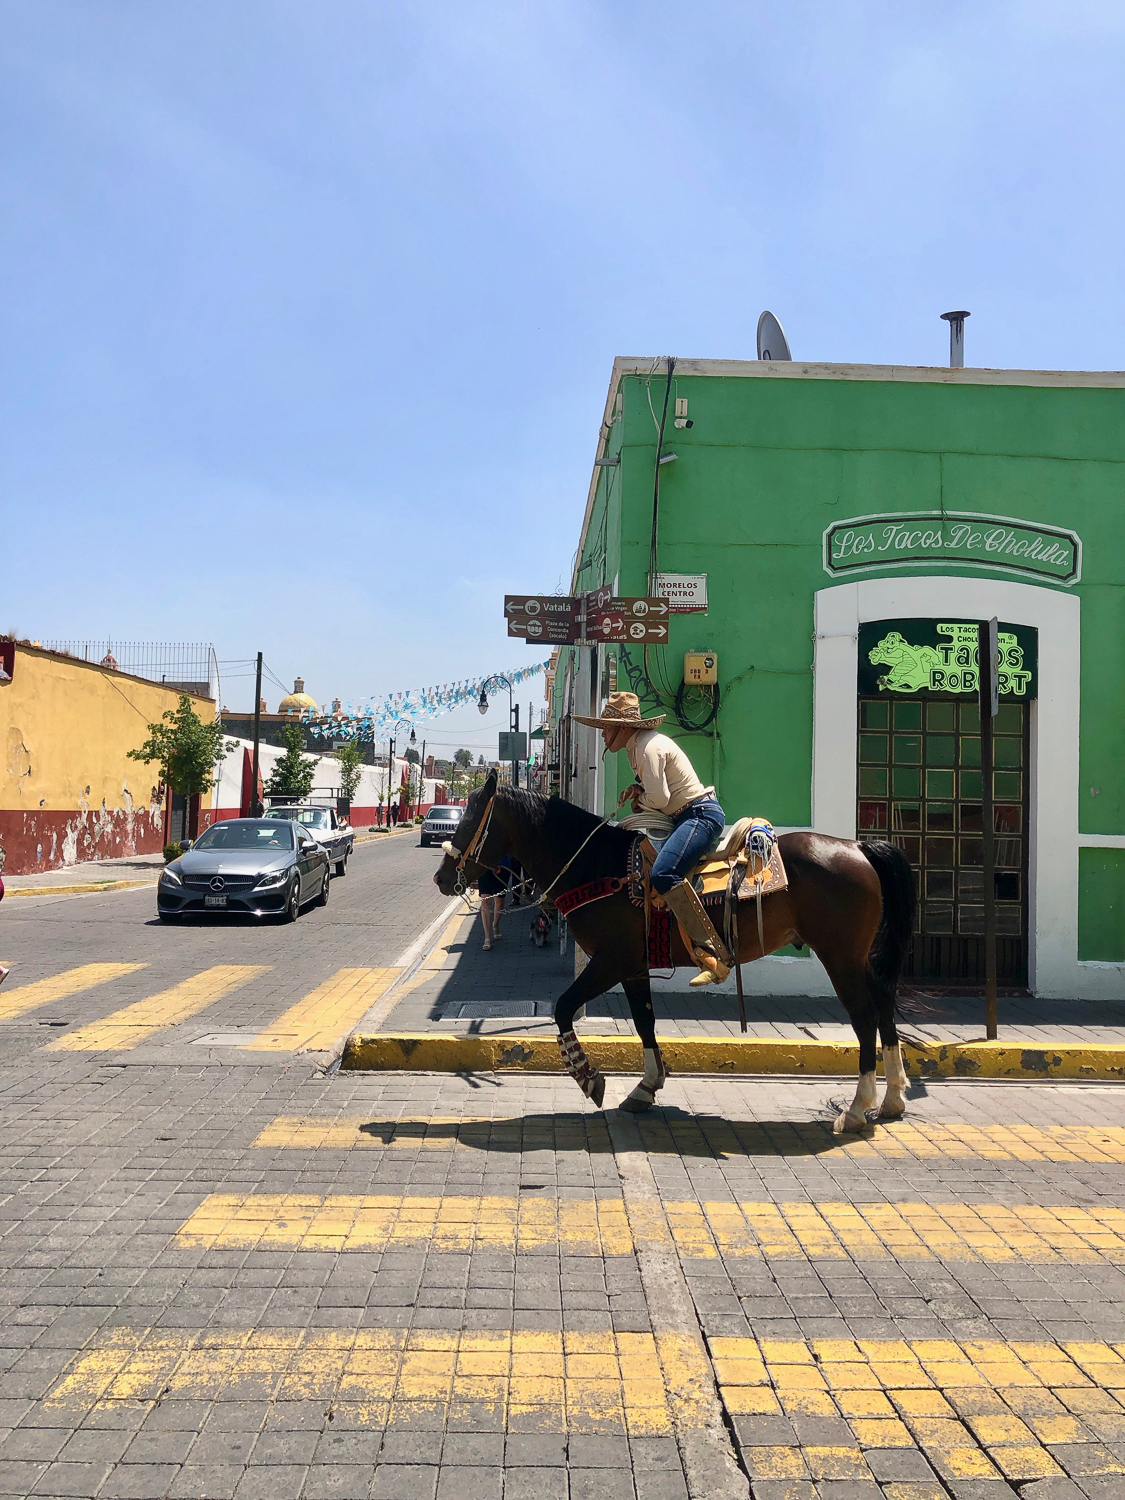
{"points": [[429, 1053], [79, 890]]}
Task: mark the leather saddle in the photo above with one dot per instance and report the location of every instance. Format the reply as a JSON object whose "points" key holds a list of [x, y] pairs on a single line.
{"points": [[727, 869]]}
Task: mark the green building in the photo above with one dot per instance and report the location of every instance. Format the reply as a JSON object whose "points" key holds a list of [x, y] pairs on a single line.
{"points": [[830, 535]]}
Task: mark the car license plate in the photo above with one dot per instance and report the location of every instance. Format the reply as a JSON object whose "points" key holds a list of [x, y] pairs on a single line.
{"points": [[214, 900]]}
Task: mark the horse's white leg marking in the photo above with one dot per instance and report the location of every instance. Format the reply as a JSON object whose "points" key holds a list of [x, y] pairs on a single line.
{"points": [[855, 1116], [644, 1094], [893, 1106]]}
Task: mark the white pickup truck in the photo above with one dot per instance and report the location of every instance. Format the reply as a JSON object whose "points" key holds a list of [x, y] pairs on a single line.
{"points": [[326, 827]]}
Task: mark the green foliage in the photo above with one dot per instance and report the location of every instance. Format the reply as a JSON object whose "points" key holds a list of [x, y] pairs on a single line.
{"points": [[294, 773], [463, 758], [185, 748], [411, 756], [171, 852], [350, 758]]}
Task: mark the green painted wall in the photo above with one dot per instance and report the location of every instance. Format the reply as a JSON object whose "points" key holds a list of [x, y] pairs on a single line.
{"points": [[769, 463], [1101, 905]]}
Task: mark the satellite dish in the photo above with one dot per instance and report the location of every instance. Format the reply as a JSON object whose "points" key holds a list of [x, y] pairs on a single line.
{"points": [[772, 343]]}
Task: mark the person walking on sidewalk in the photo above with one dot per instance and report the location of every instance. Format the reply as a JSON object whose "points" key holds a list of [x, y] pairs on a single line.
{"points": [[493, 886], [666, 783]]}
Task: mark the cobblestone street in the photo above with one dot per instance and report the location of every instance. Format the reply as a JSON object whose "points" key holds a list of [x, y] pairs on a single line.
{"points": [[231, 1270]]}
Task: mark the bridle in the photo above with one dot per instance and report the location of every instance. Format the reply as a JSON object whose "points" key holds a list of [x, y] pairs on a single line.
{"points": [[461, 857]]}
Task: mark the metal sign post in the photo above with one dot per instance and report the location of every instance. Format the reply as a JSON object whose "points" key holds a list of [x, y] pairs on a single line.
{"points": [[256, 808], [987, 650]]}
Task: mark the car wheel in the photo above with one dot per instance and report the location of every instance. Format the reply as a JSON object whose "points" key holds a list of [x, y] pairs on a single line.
{"points": [[342, 868], [293, 904], [322, 899], [423, 842]]}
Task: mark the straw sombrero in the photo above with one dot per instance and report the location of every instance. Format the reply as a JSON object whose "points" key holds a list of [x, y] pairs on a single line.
{"points": [[619, 710]]}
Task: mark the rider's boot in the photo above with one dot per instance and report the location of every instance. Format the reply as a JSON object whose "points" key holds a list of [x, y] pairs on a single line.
{"points": [[580, 1068], [644, 1095], [700, 938]]}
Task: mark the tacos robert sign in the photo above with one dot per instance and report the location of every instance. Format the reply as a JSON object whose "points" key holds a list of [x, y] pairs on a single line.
{"points": [[973, 540]]}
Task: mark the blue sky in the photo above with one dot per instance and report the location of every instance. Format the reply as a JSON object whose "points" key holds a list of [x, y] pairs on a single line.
{"points": [[308, 311]]}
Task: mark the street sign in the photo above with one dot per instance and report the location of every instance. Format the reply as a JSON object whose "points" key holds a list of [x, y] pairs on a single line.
{"points": [[537, 617], [513, 745], [637, 609], [619, 625]]}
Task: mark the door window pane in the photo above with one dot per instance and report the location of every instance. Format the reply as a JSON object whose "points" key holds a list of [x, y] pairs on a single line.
{"points": [[1009, 720], [972, 851], [941, 750], [1007, 752], [872, 817], [941, 716], [971, 817], [875, 715], [1007, 784], [1008, 855], [908, 749], [970, 885], [910, 844], [908, 817], [970, 750], [873, 749], [908, 716], [1008, 819], [939, 852], [939, 883], [938, 918], [1007, 885], [969, 714], [939, 783], [972, 784], [939, 817], [872, 782], [906, 783]]}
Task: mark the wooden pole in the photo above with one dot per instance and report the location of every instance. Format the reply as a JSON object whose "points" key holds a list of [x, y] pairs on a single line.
{"points": [[986, 661]]}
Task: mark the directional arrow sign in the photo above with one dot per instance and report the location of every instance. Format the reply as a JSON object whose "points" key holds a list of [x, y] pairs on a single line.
{"points": [[640, 609], [542, 617], [616, 625]]}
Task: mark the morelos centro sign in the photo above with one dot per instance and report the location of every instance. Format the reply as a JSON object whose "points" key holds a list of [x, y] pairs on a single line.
{"points": [[964, 537]]}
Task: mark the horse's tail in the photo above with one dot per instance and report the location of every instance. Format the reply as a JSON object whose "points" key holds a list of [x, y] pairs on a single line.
{"points": [[892, 940]]}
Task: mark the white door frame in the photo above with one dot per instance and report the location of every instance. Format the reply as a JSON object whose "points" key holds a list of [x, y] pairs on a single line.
{"points": [[1054, 969]]}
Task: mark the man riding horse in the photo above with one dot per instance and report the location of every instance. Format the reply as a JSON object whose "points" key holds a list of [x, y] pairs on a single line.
{"points": [[851, 904], [666, 783]]}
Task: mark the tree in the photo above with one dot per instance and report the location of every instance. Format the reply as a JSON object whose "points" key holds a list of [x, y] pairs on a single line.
{"points": [[293, 775], [463, 759], [350, 757], [185, 748], [411, 756]]}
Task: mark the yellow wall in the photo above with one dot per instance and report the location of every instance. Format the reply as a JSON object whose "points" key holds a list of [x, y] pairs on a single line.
{"points": [[67, 788]]}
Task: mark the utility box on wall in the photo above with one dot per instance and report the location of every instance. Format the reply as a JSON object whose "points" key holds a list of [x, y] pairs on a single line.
{"points": [[701, 668]]}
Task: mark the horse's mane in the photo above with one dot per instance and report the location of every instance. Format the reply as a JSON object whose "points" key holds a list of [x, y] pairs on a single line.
{"points": [[564, 825]]}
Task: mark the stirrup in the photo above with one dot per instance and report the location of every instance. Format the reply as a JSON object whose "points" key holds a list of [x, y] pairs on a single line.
{"points": [[712, 969], [578, 1065]]}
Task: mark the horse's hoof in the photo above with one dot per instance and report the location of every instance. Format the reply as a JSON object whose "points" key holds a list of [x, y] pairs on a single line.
{"points": [[847, 1121], [893, 1113], [635, 1106]]}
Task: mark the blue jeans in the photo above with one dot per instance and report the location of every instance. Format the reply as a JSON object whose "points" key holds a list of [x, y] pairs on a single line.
{"points": [[696, 831]]}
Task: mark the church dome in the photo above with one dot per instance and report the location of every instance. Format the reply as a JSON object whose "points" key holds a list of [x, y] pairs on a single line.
{"points": [[298, 700]]}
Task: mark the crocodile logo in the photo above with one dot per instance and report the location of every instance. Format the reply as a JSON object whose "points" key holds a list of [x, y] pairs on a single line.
{"points": [[910, 666]]}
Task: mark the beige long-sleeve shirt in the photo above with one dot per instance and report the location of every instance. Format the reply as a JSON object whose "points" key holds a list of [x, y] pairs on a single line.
{"points": [[663, 769]]}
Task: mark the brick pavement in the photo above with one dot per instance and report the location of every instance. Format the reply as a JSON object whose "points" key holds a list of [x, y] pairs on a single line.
{"points": [[233, 1272]]}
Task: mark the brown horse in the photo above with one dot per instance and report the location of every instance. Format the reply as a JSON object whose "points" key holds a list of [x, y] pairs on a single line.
{"points": [[852, 904]]}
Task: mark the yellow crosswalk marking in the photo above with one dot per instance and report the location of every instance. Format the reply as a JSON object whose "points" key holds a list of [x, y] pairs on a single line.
{"points": [[27, 997], [327, 1013], [378, 1221], [706, 1231], [899, 1142], [984, 1409], [134, 1024], [547, 1381]]}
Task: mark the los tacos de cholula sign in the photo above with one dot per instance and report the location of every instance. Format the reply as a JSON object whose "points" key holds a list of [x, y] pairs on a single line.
{"points": [[968, 538]]}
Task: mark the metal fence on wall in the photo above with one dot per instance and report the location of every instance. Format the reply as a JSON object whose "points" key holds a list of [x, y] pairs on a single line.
{"points": [[191, 666]]}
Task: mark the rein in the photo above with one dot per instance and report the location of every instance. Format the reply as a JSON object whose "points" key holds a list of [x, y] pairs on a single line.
{"points": [[460, 857]]}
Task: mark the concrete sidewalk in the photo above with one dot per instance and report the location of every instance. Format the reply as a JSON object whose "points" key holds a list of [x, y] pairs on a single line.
{"points": [[461, 990]]}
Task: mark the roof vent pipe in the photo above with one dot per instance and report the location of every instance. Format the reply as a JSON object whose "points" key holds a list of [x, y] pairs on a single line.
{"points": [[956, 321]]}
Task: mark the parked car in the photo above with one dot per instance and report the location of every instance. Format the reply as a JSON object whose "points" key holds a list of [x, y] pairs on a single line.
{"points": [[255, 866], [439, 824], [326, 826]]}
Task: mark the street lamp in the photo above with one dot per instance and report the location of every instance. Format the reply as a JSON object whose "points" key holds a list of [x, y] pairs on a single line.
{"points": [[391, 761], [513, 715]]}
